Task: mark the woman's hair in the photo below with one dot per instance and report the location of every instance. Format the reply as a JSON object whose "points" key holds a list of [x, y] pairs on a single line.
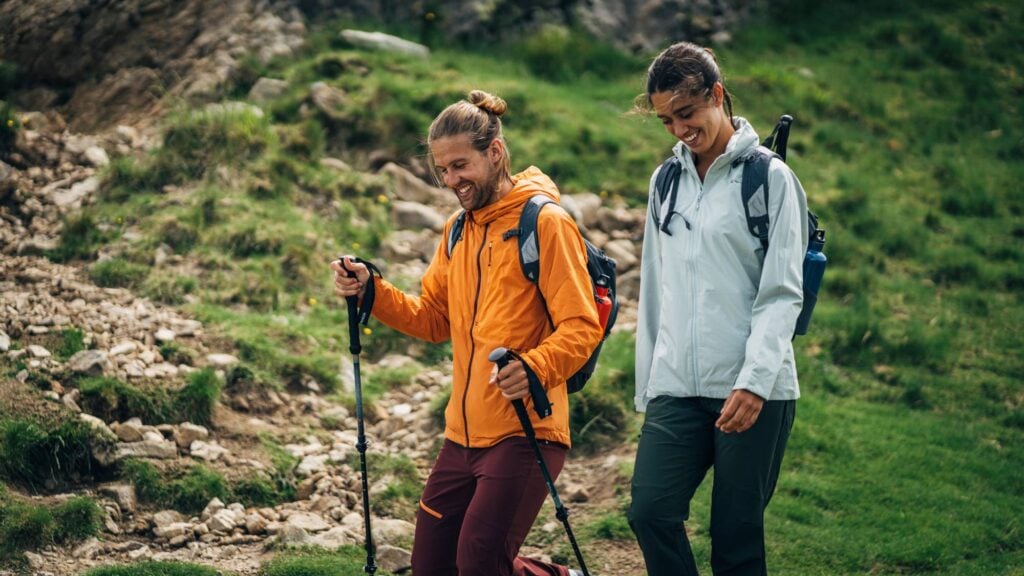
{"points": [[479, 117], [685, 68]]}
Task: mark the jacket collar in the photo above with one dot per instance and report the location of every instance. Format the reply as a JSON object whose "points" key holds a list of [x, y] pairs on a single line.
{"points": [[525, 185], [740, 145]]}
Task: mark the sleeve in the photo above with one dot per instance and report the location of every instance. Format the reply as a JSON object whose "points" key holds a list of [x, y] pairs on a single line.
{"points": [[649, 309], [424, 316], [565, 284], [780, 292]]}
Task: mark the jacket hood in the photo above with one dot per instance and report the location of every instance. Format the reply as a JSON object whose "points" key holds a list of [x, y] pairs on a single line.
{"points": [[525, 185], [742, 143]]}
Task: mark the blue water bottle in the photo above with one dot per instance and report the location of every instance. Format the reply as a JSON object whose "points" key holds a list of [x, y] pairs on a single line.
{"points": [[814, 269]]}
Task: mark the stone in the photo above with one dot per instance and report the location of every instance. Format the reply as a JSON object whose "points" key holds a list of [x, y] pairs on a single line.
{"points": [[165, 518], [164, 335], [255, 524], [335, 164], [308, 522], [221, 360], [139, 552], [123, 348], [73, 196], [97, 156], [623, 252], [327, 99], [122, 494], [5, 341], [266, 89], [223, 521], [89, 549], [333, 539], [312, 464], [384, 42], [88, 362], [37, 351], [393, 558], [130, 431], [187, 433], [96, 424], [415, 215], [147, 449], [212, 508], [389, 530], [209, 451], [290, 535], [171, 531]]}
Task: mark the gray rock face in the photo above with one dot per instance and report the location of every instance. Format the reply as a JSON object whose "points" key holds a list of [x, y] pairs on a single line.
{"points": [[121, 54]]}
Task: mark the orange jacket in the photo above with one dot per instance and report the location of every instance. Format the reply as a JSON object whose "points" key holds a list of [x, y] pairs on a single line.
{"points": [[480, 299]]}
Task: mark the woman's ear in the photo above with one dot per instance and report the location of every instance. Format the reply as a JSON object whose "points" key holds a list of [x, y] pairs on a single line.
{"points": [[717, 94]]}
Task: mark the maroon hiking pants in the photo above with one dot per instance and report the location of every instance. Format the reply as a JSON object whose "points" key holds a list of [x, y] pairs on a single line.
{"points": [[477, 508]]}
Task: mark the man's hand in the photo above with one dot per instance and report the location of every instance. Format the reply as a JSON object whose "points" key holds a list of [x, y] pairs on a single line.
{"points": [[739, 412], [511, 380], [346, 286]]}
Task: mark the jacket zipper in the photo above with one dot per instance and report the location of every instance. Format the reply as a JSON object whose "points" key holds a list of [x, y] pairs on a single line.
{"points": [[693, 278], [472, 326]]}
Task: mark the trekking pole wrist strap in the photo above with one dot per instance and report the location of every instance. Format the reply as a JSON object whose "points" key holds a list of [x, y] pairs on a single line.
{"points": [[539, 396]]}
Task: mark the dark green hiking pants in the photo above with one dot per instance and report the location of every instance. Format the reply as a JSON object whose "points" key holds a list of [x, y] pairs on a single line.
{"points": [[678, 444]]}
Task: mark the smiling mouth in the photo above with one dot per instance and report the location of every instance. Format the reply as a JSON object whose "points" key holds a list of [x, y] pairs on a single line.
{"points": [[690, 138]]}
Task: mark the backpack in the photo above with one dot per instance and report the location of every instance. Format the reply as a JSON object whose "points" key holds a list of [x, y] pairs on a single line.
{"points": [[600, 268], [755, 206]]}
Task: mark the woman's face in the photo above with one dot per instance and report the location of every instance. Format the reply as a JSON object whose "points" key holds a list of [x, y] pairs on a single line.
{"points": [[697, 121], [473, 175]]}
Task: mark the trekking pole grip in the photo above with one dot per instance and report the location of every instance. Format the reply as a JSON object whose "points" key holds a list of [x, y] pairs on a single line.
{"points": [[353, 315], [501, 357]]}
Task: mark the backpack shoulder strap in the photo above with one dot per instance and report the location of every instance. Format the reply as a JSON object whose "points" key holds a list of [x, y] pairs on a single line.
{"points": [[455, 232], [529, 243], [754, 191], [667, 187]]}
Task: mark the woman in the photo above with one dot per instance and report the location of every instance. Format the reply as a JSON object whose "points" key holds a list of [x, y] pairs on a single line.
{"points": [[715, 369]]}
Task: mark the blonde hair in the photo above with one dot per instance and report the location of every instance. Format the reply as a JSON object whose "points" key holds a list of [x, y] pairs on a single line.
{"points": [[478, 116]]}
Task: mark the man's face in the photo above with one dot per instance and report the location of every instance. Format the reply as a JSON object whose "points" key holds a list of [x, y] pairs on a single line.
{"points": [[473, 175]]}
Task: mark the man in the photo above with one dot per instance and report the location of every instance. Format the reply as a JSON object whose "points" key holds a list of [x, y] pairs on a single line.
{"points": [[485, 489]]}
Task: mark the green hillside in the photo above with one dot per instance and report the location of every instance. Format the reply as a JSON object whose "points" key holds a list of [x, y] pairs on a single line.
{"points": [[907, 453]]}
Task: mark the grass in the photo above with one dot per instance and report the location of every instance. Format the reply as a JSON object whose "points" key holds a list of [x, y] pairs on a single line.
{"points": [[190, 488], [33, 454], [26, 527], [347, 561], [401, 497], [909, 139], [116, 401], [151, 568]]}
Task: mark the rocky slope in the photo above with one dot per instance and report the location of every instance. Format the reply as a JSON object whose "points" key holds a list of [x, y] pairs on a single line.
{"points": [[95, 72]]}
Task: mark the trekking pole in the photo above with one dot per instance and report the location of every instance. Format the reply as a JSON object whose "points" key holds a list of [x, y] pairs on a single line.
{"points": [[501, 357], [355, 348]]}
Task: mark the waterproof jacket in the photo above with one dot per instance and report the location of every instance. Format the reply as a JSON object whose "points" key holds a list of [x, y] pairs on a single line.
{"points": [[716, 313], [479, 297]]}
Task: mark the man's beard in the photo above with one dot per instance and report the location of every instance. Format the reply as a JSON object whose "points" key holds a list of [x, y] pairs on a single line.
{"points": [[487, 192]]}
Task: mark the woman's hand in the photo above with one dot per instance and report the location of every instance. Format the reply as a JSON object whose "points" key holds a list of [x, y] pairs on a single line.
{"points": [[739, 412], [511, 380], [346, 286]]}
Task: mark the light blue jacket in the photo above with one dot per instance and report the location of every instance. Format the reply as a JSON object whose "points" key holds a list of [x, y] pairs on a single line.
{"points": [[716, 313]]}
